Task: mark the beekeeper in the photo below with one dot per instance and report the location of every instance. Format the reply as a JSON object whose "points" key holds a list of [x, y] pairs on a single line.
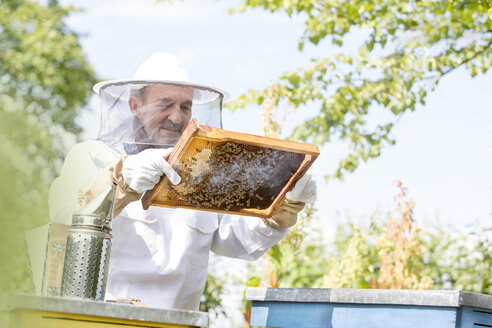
{"points": [[160, 255]]}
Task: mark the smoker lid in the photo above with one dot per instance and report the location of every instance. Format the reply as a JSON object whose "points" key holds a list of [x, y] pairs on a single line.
{"points": [[98, 210]]}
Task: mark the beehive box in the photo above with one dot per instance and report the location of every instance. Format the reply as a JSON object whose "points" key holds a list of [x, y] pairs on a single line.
{"points": [[230, 172]]}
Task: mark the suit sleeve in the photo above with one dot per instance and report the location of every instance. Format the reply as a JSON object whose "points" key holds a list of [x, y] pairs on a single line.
{"points": [[248, 238]]}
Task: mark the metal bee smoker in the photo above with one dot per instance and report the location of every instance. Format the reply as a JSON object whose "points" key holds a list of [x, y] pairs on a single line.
{"points": [[88, 249]]}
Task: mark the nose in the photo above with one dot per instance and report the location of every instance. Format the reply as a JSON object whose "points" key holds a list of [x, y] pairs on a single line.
{"points": [[175, 114]]}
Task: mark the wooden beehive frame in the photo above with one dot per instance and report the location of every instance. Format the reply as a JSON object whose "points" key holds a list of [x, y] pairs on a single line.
{"points": [[199, 131]]}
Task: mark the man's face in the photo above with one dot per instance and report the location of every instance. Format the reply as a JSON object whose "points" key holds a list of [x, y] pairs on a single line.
{"points": [[164, 112]]}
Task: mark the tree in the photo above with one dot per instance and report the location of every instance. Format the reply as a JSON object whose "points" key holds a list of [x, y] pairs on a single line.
{"points": [[404, 49], [401, 248], [459, 259], [42, 62], [44, 80]]}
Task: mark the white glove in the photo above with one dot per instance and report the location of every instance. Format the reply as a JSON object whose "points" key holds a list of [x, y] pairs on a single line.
{"points": [[304, 190], [143, 170]]}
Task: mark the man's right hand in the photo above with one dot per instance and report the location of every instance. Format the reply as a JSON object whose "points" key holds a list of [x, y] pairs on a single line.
{"points": [[143, 170]]}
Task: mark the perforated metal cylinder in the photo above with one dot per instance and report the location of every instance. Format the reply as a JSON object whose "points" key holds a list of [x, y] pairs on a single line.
{"points": [[86, 263]]}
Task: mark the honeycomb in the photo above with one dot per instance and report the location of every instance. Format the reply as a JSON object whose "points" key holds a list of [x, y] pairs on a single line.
{"points": [[229, 176]]}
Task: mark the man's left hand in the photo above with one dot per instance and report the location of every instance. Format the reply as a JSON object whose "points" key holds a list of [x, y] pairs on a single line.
{"points": [[304, 190]]}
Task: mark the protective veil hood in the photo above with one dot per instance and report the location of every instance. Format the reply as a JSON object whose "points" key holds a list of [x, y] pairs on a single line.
{"points": [[119, 125]]}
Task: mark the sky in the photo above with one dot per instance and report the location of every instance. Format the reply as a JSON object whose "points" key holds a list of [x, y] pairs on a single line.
{"points": [[443, 151]]}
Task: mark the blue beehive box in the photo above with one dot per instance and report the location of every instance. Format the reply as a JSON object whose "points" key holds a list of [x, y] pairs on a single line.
{"points": [[368, 308]]}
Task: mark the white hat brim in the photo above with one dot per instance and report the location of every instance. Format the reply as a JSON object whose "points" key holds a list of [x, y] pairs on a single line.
{"points": [[123, 83]]}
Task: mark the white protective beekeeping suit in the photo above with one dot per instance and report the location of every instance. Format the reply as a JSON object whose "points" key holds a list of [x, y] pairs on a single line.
{"points": [[159, 255]]}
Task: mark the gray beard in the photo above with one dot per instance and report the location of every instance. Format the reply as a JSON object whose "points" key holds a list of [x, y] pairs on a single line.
{"points": [[148, 139]]}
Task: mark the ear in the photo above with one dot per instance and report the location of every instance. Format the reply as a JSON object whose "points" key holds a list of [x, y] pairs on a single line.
{"points": [[135, 104]]}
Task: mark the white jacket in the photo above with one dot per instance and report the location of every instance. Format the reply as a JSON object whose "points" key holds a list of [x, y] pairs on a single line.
{"points": [[159, 256]]}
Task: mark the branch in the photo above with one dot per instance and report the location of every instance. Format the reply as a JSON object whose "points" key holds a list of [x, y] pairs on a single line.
{"points": [[469, 58]]}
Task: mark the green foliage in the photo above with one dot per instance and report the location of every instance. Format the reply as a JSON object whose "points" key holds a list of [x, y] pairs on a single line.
{"points": [[44, 79], [297, 260], [42, 62], [355, 269], [371, 257], [404, 49], [459, 260], [387, 254], [211, 301], [23, 195]]}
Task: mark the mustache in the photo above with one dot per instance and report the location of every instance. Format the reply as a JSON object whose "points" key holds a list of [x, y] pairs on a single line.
{"points": [[169, 125]]}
